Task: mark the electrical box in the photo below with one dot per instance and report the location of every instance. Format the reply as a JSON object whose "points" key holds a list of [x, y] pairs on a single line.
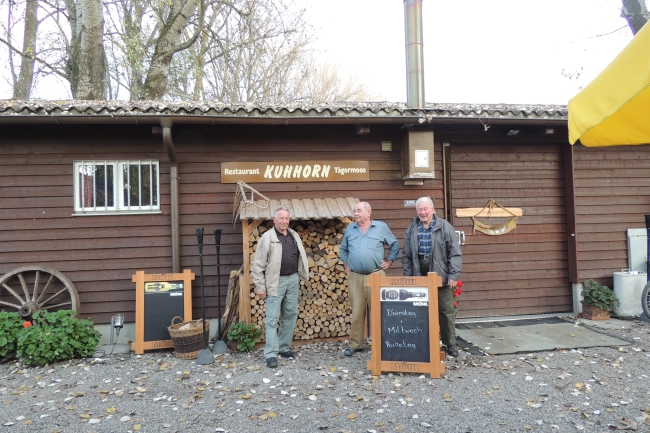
{"points": [[417, 155], [637, 250]]}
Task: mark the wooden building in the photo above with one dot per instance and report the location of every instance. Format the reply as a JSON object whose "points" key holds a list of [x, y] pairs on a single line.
{"points": [[577, 202]]}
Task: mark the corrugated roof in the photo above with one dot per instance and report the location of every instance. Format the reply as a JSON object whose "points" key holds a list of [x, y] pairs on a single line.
{"points": [[300, 209], [128, 110]]}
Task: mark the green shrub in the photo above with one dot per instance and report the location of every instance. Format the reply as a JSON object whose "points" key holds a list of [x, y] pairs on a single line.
{"points": [[56, 337], [600, 296], [10, 326], [245, 335]]}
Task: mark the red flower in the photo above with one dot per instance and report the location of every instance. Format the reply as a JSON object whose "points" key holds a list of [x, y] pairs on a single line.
{"points": [[27, 324], [459, 284], [455, 304]]}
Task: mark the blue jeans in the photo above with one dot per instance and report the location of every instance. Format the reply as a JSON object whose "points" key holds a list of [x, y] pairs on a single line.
{"points": [[283, 307]]}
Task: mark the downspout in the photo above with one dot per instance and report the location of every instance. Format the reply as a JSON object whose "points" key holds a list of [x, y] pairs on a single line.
{"points": [[166, 124]]}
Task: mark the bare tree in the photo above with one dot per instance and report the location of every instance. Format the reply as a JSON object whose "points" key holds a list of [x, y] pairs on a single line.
{"points": [[24, 14], [227, 50], [636, 13], [23, 86], [86, 67], [326, 82]]}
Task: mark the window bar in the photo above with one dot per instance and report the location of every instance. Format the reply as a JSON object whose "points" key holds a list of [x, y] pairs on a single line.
{"points": [[117, 187], [92, 169], [80, 171], [128, 185], [150, 184], [139, 185], [105, 185]]}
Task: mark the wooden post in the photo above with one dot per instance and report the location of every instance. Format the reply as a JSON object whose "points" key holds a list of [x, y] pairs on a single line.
{"points": [[244, 286], [434, 282], [138, 344], [375, 322], [245, 282]]}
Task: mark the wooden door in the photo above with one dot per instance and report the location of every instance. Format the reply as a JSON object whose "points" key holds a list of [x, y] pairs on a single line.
{"points": [[524, 271]]}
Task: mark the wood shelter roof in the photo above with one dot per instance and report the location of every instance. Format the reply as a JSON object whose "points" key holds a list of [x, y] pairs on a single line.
{"points": [[300, 209]]}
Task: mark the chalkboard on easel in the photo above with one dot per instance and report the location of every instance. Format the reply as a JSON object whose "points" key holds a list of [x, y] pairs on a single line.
{"points": [[159, 298], [404, 325], [162, 302]]}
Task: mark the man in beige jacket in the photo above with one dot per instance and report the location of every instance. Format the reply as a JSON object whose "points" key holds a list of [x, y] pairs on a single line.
{"points": [[280, 262]]}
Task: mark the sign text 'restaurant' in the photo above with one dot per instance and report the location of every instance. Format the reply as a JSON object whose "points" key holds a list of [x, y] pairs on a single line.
{"points": [[295, 171]]}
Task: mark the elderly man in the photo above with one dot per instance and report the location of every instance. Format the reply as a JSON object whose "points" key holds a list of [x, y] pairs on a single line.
{"points": [[362, 251], [280, 262], [430, 245]]}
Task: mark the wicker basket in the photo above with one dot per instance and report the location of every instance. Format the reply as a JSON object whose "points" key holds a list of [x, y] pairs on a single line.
{"points": [[189, 342]]}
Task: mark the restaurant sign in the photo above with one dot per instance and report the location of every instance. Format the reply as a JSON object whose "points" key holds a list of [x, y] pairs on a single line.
{"points": [[295, 171]]}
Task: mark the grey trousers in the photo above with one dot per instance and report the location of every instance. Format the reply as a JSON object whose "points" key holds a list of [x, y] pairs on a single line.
{"points": [[446, 310], [283, 307]]}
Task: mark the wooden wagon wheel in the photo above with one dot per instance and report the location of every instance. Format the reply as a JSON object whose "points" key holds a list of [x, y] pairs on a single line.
{"points": [[23, 290]]}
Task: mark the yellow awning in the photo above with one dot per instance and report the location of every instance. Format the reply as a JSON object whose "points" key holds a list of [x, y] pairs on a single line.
{"points": [[614, 109]]}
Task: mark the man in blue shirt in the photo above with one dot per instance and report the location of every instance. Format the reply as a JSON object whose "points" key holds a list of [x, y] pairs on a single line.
{"points": [[362, 251]]}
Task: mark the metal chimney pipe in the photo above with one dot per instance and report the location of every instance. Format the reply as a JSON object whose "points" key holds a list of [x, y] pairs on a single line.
{"points": [[414, 54]]}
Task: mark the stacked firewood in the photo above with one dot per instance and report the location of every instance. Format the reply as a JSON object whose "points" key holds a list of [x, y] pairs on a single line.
{"points": [[323, 303]]}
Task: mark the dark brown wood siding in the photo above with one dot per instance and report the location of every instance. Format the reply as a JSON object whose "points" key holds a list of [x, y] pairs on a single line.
{"points": [[526, 270], [206, 202], [612, 195], [101, 253]]}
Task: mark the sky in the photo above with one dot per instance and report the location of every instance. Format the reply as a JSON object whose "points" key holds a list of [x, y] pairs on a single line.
{"points": [[475, 51]]}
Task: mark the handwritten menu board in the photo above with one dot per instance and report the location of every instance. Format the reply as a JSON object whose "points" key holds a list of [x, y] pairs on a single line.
{"points": [[158, 299], [404, 325]]}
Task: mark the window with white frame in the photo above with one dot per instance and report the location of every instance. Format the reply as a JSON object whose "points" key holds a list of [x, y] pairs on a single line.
{"points": [[116, 186]]}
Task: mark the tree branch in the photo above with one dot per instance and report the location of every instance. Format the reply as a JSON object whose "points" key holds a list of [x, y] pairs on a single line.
{"points": [[38, 59], [197, 32]]}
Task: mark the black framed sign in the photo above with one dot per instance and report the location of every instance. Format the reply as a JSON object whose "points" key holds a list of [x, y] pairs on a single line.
{"points": [[404, 324], [158, 299]]}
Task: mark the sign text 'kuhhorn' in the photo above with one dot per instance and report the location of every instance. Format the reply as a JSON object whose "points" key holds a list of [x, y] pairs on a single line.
{"points": [[295, 171]]}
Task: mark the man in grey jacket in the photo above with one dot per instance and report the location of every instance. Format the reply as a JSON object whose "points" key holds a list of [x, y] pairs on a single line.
{"points": [[430, 245], [280, 262]]}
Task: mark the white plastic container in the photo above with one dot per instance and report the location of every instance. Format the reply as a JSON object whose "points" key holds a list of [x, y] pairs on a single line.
{"points": [[628, 287]]}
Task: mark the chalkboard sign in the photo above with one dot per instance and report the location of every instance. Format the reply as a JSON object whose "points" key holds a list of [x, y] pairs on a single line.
{"points": [[160, 298], [404, 318], [405, 324]]}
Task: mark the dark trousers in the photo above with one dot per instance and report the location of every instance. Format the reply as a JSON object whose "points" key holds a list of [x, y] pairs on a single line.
{"points": [[446, 310]]}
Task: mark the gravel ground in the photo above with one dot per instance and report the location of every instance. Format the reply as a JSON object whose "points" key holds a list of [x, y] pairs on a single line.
{"points": [[591, 390]]}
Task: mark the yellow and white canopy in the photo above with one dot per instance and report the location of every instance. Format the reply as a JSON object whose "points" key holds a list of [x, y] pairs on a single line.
{"points": [[614, 109]]}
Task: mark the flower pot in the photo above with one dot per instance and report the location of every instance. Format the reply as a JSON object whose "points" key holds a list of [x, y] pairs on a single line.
{"points": [[591, 312]]}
